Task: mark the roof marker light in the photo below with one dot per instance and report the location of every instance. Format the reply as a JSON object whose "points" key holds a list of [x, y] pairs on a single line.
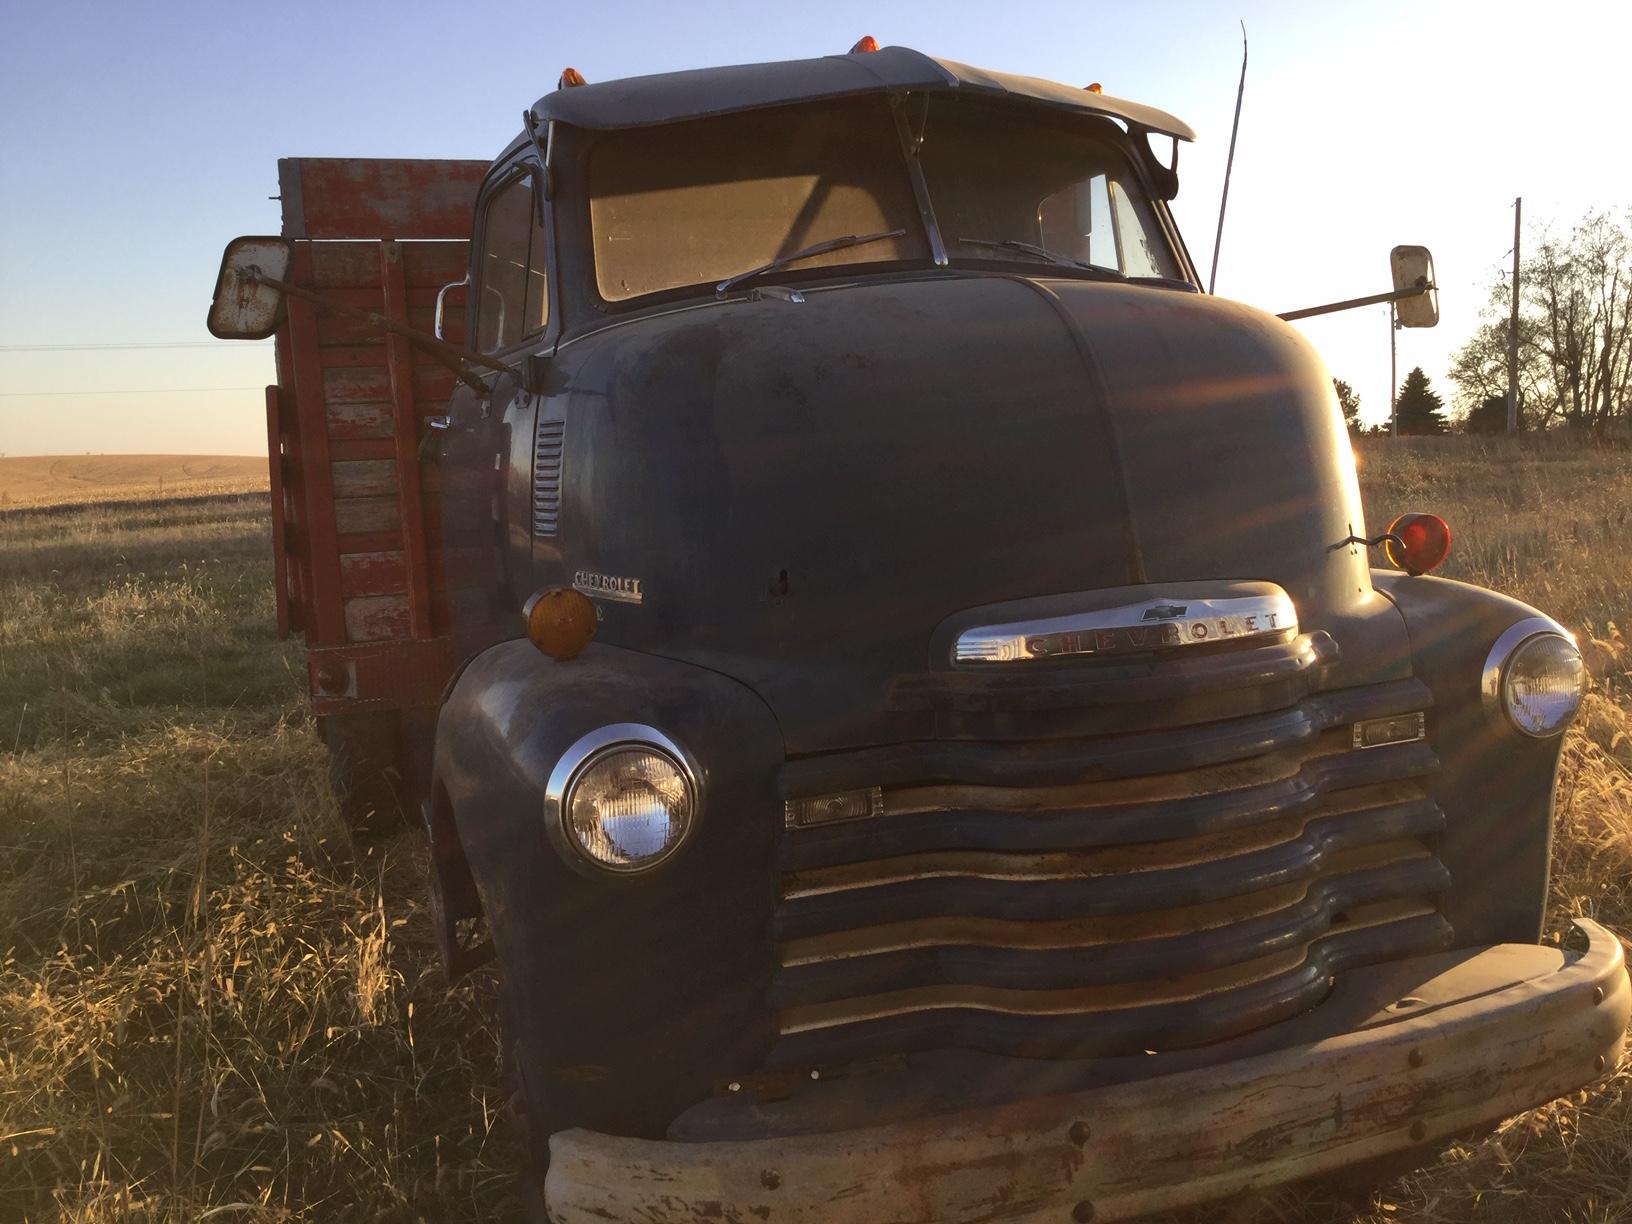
{"points": [[1096, 87], [569, 78], [865, 43]]}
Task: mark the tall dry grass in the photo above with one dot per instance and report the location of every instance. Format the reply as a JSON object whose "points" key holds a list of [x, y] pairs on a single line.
{"points": [[212, 1008]]}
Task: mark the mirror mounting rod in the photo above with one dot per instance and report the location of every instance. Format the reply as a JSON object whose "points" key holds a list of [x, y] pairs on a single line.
{"points": [[1376, 299], [451, 354]]}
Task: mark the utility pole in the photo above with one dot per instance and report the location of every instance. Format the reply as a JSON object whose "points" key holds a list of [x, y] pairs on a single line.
{"points": [[1393, 378], [1513, 329]]}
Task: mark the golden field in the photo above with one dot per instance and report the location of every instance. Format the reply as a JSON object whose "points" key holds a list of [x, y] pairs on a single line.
{"points": [[212, 1007], [34, 480]]}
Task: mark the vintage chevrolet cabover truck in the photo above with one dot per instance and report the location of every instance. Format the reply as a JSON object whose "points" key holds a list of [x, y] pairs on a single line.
{"points": [[998, 785]]}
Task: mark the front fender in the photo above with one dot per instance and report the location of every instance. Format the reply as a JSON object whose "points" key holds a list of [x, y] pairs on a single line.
{"points": [[1494, 785], [632, 996]]}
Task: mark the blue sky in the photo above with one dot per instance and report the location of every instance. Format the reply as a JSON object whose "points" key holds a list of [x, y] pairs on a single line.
{"points": [[138, 138]]}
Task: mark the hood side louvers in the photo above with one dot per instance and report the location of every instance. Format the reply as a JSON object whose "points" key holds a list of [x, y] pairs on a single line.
{"points": [[547, 477]]}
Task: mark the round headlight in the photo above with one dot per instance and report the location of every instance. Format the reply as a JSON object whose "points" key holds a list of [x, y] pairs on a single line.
{"points": [[623, 797], [1534, 679], [1542, 684]]}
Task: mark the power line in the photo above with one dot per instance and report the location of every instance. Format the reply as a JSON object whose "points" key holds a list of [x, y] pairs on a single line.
{"points": [[133, 391], [131, 344]]}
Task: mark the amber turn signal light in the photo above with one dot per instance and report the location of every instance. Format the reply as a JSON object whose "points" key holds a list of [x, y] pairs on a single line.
{"points": [[560, 621], [1417, 543], [865, 43]]}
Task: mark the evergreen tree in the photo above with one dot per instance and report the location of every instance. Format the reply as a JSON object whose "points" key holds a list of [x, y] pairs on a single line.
{"points": [[1420, 409], [1490, 417], [1350, 403]]}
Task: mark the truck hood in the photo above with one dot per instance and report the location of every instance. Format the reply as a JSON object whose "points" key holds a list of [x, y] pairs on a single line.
{"points": [[805, 491]]}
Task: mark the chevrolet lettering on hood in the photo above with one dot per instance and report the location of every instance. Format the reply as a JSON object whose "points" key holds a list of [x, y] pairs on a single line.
{"points": [[1130, 629], [607, 586]]}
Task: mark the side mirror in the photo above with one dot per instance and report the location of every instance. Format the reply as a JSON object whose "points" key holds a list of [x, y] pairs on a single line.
{"points": [[245, 308], [1413, 268]]}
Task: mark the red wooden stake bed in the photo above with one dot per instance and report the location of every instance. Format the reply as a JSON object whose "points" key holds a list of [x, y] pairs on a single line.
{"points": [[362, 573]]}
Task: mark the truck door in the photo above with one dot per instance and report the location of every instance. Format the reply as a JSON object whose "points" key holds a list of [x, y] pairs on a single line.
{"points": [[491, 453]]}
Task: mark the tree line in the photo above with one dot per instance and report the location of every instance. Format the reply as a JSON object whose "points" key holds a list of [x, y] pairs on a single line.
{"points": [[1575, 342]]}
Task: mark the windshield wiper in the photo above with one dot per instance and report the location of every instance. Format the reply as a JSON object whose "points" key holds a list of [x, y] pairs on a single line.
{"points": [[820, 248], [1031, 248]]}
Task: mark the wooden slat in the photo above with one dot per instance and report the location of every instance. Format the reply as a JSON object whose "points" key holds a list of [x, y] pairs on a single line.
{"points": [[434, 263], [353, 515], [367, 419], [372, 573], [430, 382], [370, 541], [369, 299], [375, 618], [364, 477], [346, 265], [362, 448], [325, 197]]}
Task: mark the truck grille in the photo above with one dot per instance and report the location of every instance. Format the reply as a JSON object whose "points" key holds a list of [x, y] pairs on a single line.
{"points": [[1031, 901], [547, 477]]}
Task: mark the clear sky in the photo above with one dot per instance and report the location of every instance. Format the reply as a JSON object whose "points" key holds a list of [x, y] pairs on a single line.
{"points": [[135, 139]]}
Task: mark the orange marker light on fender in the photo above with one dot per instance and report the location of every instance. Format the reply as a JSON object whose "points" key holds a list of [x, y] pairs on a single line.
{"points": [[569, 78], [1424, 542], [560, 621], [1096, 87], [865, 43]]}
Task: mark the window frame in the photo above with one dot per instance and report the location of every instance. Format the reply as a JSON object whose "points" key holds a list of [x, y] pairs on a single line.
{"points": [[503, 177]]}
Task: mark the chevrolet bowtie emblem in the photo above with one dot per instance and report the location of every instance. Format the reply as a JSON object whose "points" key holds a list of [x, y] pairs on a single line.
{"points": [[1164, 612]]}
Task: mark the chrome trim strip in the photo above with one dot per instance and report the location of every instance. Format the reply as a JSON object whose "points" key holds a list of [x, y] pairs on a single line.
{"points": [[1505, 647], [1153, 624], [583, 753]]}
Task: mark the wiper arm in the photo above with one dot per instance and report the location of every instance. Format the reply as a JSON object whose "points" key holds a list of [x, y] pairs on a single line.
{"points": [[1031, 248], [820, 248]]}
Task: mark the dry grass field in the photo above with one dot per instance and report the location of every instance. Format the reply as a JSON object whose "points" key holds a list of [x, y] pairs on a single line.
{"points": [[34, 480], [213, 1008]]}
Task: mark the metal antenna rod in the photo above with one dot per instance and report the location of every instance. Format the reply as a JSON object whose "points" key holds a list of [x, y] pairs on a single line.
{"points": [[1229, 165]]}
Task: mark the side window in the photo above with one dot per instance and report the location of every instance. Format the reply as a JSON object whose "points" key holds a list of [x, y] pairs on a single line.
{"points": [[511, 272]]}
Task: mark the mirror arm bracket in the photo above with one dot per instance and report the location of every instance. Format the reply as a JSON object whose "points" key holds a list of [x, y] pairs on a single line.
{"points": [[451, 355], [1376, 299]]}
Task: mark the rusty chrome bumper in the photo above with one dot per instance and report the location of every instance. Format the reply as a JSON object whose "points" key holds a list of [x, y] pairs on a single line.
{"points": [[1499, 1039]]}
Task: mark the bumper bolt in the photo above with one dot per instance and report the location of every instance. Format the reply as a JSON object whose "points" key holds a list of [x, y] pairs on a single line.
{"points": [[1419, 1128], [733, 1086], [1597, 994], [1598, 1064], [1079, 1133], [1415, 1058], [1083, 1212], [770, 1179]]}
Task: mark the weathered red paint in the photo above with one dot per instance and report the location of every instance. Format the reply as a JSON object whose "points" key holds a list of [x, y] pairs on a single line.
{"points": [[326, 197], [360, 570]]}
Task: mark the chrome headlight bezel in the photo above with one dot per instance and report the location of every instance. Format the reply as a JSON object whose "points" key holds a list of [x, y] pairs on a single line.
{"points": [[1493, 682], [584, 754]]}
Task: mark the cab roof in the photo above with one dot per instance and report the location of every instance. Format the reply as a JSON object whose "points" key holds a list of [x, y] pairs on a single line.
{"points": [[670, 97]]}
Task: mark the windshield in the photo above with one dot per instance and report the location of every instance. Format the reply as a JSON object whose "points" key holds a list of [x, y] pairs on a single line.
{"points": [[1003, 190], [725, 199], [700, 202]]}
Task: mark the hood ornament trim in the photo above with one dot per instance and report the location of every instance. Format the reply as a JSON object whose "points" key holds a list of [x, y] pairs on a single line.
{"points": [[1135, 628]]}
